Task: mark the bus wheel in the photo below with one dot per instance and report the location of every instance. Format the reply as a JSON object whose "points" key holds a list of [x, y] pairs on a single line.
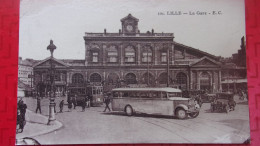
{"points": [[129, 110], [181, 113], [194, 115]]}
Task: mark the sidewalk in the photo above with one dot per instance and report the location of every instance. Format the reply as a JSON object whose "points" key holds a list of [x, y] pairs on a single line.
{"points": [[36, 124]]}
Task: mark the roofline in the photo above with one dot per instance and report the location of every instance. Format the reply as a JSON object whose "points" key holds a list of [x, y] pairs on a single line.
{"points": [[168, 89], [194, 49]]}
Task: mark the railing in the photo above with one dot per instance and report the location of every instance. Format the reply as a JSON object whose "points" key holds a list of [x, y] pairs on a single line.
{"points": [[121, 34]]}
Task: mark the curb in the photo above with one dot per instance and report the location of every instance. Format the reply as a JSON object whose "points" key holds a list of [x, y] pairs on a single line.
{"points": [[55, 126]]}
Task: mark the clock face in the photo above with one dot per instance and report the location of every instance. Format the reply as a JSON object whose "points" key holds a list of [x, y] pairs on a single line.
{"points": [[129, 28]]}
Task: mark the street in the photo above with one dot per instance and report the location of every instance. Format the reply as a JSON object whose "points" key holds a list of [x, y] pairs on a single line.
{"points": [[96, 126]]}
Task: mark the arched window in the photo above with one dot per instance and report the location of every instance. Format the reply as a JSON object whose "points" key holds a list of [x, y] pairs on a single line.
{"points": [[181, 79], [147, 54], [112, 54], [129, 54], [130, 78], [205, 81], [148, 77], [77, 78], [163, 78], [95, 77], [113, 78]]}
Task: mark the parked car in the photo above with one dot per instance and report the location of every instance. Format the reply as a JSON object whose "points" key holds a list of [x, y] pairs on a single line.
{"points": [[207, 98], [223, 102]]}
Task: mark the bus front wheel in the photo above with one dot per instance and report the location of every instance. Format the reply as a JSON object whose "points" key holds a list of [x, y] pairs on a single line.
{"points": [[181, 113], [129, 110]]}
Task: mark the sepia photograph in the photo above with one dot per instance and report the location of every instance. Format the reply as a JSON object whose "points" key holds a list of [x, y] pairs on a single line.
{"points": [[132, 71]]}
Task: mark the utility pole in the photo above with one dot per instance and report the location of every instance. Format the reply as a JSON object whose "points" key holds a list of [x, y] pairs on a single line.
{"points": [[147, 69], [168, 67]]}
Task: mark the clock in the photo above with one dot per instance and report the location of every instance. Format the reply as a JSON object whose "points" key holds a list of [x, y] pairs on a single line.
{"points": [[129, 28]]}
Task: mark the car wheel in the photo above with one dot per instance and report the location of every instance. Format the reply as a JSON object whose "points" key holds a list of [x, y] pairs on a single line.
{"points": [[194, 115], [181, 113], [129, 110]]}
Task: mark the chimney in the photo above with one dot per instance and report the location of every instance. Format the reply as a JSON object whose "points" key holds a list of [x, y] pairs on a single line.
{"points": [[152, 31], [105, 31], [119, 31]]}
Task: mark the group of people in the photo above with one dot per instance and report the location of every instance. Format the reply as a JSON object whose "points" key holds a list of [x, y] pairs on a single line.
{"points": [[21, 111], [73, 101]]}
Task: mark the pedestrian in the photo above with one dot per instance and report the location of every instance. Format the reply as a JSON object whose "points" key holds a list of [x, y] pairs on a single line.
{"points": [[54, 107], [74, 101], [38, 105], [107, 101], [83, 104], [19, 122], [69, 104], [88, 101], [61, 105], [22, 111]]}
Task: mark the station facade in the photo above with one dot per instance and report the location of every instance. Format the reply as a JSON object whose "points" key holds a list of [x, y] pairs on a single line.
{"points": [[134, 59]]}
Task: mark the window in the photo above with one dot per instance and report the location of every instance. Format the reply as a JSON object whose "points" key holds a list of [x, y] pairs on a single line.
{"points": [[147, 54], [94, 56], [95, 77], [147, 57], [163, 57], [163, 78], [112, 54], [129, 54], [182, 80], [130, 78], [77, 78]]}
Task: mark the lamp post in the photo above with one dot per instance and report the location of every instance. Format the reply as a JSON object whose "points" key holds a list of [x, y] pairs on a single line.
{"points": [[51, 119]]}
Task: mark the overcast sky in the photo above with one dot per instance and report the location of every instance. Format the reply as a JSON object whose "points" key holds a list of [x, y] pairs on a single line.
{"points": [[66, 21]]}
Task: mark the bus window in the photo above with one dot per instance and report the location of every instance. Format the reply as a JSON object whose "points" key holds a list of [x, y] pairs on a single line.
{"points": [[144, 95], [163, 95], [174, 94], [115, 95], [154, 95], [125, 94]]}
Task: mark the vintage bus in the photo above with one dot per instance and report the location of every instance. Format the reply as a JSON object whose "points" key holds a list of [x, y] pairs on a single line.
{"points": [[94, 92], [159, 101]]}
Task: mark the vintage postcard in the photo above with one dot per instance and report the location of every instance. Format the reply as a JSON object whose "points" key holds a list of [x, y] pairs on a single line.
{"points": [[132, 71]]}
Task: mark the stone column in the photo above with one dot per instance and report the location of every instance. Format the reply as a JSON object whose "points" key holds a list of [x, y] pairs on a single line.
{"points": [[213, 82], [121, 55], [219, 79], [190, 79], [138, 53], [198, 80]]}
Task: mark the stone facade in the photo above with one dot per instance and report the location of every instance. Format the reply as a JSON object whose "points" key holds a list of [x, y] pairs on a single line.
{"points": [[131, 58]]}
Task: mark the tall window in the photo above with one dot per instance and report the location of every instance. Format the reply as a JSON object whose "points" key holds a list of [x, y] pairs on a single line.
{"points": [[147, 54], [113, 78], [94, 56], [205, 81], [112, 54], [130, 78], [77, 78], [95, 77], [182, 80], [163, 56], [129, 54], [163, 78]]}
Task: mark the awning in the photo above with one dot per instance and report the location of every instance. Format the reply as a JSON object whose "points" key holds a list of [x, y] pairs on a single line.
{"points": [[231, 81]]}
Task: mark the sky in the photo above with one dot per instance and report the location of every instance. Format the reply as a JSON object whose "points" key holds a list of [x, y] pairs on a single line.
{"points": [[66, 21]]}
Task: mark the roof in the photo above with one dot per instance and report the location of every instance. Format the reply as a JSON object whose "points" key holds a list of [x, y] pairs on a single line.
{"points": [[129, 16], [59, 61], [197, 50], [23, 86], [168, 89]]}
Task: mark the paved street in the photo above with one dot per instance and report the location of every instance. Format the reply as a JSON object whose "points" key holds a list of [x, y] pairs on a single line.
{"points": [[95, 126]]}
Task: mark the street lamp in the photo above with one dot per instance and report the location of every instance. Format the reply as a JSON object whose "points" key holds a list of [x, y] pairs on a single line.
{"points": [[51, 119]]}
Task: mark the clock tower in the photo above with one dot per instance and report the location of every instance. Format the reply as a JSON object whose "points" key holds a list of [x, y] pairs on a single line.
{"points": [[129, 25]]}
